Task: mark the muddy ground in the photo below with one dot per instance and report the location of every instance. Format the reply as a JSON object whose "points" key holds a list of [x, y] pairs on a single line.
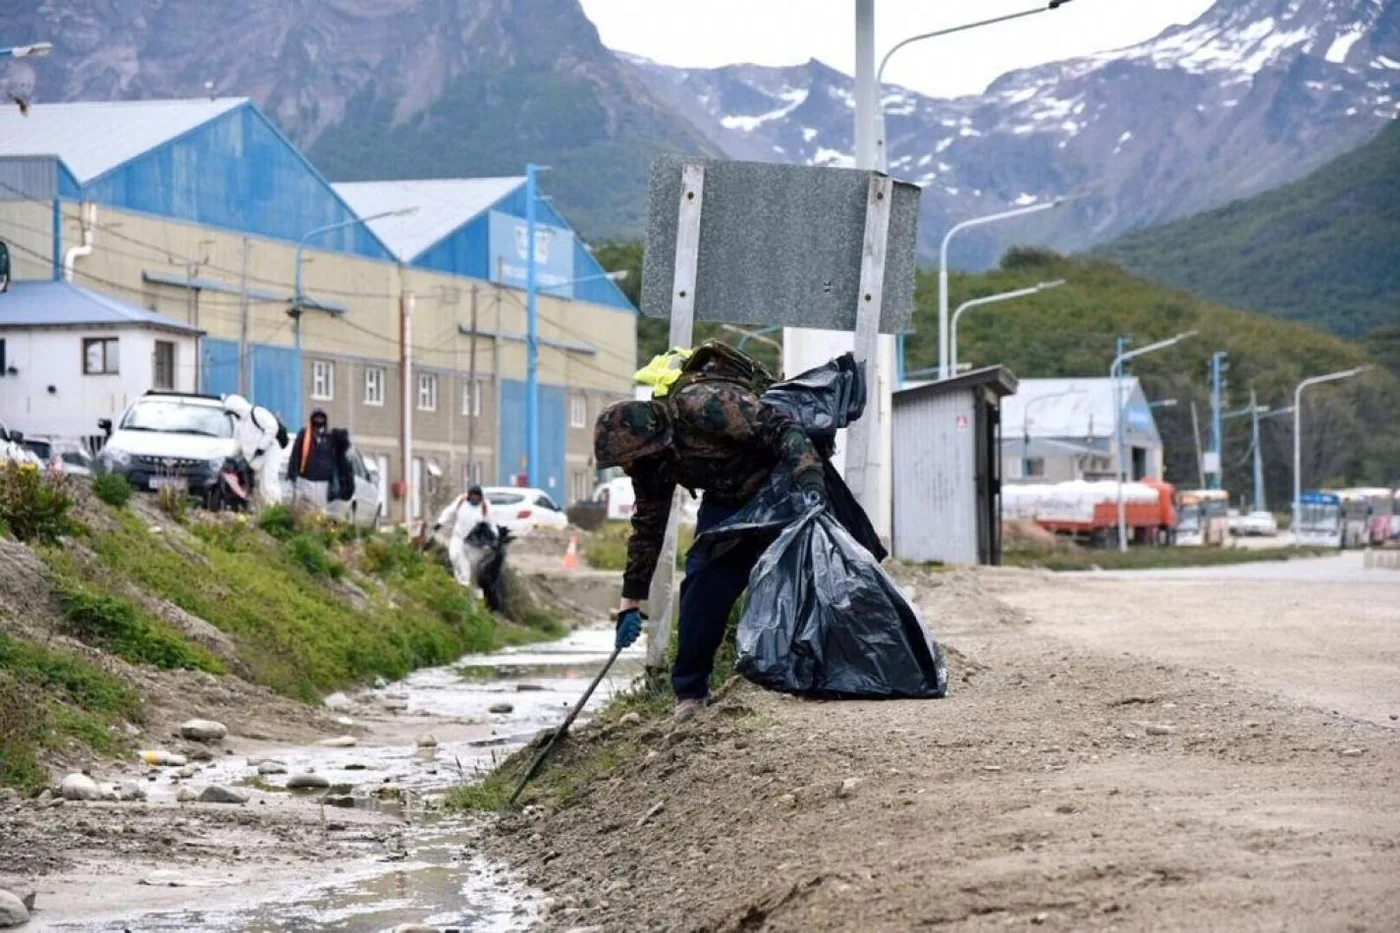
{"points": [[1211, 750]]}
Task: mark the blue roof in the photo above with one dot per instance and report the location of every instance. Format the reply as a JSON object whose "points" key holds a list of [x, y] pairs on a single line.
{"points": [[63, 304]]}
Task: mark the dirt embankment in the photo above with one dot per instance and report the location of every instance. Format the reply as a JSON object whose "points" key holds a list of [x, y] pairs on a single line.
{"points": [[1076, 778]]}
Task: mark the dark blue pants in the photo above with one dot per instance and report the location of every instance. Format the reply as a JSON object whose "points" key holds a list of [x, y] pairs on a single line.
{"points": [[711, 587]]}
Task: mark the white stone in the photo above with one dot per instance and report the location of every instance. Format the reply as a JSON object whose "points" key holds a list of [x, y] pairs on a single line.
{"points": [[217, 793], [427, 740], [203, 730], [340, 741], [13, 913], [78, 786], [20, 888], [307, 782]]}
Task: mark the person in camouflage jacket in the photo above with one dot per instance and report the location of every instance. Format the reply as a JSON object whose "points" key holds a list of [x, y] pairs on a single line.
{"points": [[714, 436]]}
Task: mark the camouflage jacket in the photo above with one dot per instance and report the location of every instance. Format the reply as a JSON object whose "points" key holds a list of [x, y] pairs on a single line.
{"points": [[724, 441]]}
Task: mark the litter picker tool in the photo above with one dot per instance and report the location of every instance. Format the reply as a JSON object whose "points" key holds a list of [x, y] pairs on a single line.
{"points": [[560, 732]]}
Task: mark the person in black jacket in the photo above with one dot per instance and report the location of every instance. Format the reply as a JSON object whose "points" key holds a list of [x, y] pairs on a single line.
{"points": [[312, 464]]}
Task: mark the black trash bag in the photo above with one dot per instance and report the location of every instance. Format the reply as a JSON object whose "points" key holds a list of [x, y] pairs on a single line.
{"points": [[825, 399], [780, 503], [822, 619]]}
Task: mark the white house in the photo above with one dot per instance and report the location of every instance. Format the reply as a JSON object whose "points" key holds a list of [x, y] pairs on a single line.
{"points": [[69, 356], [1055, 430]]}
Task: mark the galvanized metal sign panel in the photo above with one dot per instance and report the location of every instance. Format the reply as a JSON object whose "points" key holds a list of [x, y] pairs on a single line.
{"points": [[779, 245]]}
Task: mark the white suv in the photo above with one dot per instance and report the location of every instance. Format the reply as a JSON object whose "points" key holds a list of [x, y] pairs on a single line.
{"points": [[169, 439]]}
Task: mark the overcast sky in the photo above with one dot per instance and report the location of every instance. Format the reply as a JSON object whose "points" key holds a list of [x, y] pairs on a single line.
{"points": [[709, 33]]}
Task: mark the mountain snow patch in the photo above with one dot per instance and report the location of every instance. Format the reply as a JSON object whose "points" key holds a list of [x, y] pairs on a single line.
{"points": [[1341, 46], [794, 98]]}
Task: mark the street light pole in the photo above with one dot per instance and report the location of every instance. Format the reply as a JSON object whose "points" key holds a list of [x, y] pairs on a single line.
{"points": [[1115, 373], [992, 299], [1298, 434], [943, 328]]}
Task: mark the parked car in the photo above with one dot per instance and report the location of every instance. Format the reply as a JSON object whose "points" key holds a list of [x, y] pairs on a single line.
{"points": [[1260, 525], [169, 440], [363, 507], [69, 456], [522, 510], [1236, 521], [12, 449], [619, 498]]}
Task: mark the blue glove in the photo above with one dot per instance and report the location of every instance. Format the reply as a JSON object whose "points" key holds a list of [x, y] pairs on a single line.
{"points": [[629, 627]]}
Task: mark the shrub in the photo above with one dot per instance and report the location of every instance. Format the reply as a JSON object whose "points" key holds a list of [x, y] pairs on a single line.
{"points": [[386, 555], [116, 626], [34, 506], [278, 521], [311, 554], [113, 489]]}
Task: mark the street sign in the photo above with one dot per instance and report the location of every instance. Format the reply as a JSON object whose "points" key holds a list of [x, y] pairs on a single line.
{"points": [[780, 245]]}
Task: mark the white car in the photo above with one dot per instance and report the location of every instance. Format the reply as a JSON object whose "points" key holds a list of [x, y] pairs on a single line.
{"points": [[1236, 521], [169, 440], [522, 510], [61, 454], [620, 498], [1260, 524], [363, 507]]}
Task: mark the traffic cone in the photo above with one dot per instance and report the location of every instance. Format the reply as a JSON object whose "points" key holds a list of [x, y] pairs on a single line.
{"points": [[571, 555]]}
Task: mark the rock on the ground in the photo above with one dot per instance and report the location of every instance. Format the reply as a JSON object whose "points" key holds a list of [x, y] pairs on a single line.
{"points": [[20, 888], [340, 741], [337, 703], [502, 708], [186, 795], [415, 928], [218, 793], [271, 767], [394, 703], [427, 740], [631, 719], [307, 781], [129, 790], [1161, 729], [339, 800], [203, 730], [13, 913], [163, 758], [78, 786], [848, 787]]}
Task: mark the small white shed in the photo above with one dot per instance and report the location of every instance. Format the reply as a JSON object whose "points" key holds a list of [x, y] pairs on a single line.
{"points": [[69, 356], [947, 468]]}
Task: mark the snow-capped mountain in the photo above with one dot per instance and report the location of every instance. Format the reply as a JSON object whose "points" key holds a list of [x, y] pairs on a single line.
{"points": [[1253, 94]]}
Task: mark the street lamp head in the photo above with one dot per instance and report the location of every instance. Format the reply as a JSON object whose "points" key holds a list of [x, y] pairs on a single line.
{"points": [[1184, 334], [619, 276]]}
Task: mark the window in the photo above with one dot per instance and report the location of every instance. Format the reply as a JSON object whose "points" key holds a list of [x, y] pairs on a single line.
{"points": [[583, 488], [374, 386], [578, 411], [427, 392], [1035, 466], [323, 380], [163, 374], [471, 399], [100, 356], [544, 502]]}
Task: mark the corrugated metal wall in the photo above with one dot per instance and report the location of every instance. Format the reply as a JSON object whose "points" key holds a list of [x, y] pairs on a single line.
{"points": [[551, 475], [274, 383], [935, 482], [467, 252], [237, 172], [218, 366]]}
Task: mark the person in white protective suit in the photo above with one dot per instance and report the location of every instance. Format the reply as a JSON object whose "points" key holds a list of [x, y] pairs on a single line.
{"points": [[260, 438], [461, 515]]}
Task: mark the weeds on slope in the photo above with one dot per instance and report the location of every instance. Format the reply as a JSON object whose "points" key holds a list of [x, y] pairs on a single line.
{"points": [[119, 628], [49, 696]]}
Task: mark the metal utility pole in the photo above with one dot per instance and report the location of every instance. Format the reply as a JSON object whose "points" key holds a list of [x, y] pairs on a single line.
{"points": [[243, 324], [405, 396], [1298, 434], [474, 399], [1116, 373], [1196, 435], [1258, 453], [1217, 389], [532, 341], [496, 377]]}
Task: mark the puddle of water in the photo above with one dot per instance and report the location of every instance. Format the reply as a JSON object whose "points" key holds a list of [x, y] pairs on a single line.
{"points": [[440, 882]]}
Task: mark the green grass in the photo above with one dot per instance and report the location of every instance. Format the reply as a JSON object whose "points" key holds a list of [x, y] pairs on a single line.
{"points": [[50, 697], [1154, 558], [119, 628], [311, 554], [297, 634]]}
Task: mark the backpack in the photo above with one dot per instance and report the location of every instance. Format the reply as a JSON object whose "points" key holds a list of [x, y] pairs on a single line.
{"points": [[712, 361]]}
